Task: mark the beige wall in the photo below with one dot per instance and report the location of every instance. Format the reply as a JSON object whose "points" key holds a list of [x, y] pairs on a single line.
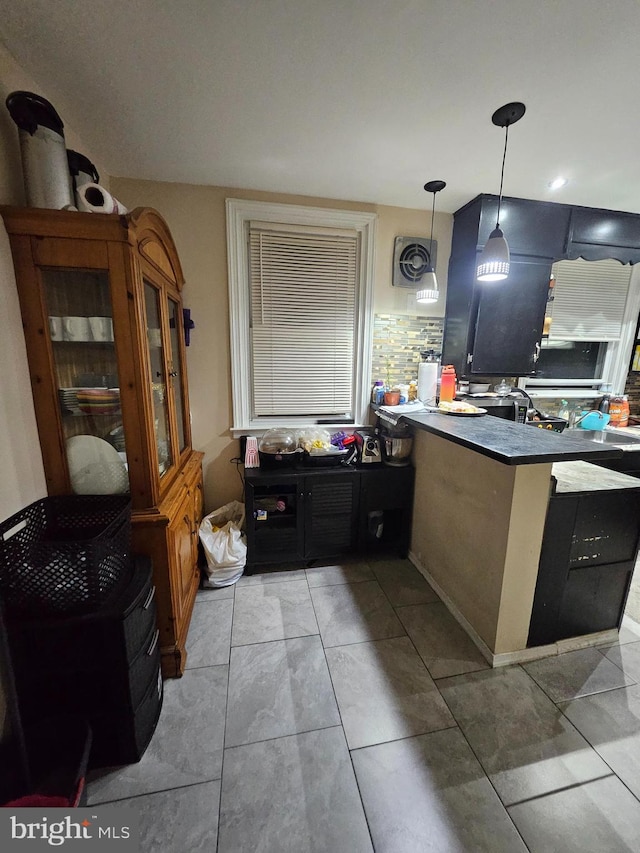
{"points": [[196, 217]]}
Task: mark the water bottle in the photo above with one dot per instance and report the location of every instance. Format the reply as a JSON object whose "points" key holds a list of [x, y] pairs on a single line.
{"points": [[604, 405], [447, 383], [377, 393]]}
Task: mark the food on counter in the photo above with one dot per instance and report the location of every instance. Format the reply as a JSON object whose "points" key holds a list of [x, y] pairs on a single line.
{"points": [[457, 406]]}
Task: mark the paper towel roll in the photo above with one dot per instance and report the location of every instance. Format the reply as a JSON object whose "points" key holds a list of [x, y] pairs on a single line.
{"points": [[92, 198], [428, 382]]}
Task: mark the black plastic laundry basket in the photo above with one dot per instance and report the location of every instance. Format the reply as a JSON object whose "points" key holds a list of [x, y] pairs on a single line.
{"points": [[65, 554]]}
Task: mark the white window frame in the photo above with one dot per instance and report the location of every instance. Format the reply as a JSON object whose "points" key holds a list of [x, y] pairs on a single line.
{"points": [[616, 361], [240, 212]]}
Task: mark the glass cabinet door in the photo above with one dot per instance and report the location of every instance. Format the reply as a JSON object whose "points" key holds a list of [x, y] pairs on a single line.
{"points": [[78, 304], [158, 378], [175, 328]]}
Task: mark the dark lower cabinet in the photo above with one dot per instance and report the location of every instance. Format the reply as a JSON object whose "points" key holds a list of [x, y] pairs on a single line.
{"points": [[588, 555], [296, 515], [102, 666], [386, 504]]}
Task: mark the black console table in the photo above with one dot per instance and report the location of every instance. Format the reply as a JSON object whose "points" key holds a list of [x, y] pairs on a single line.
{"points": [[297, 515]]}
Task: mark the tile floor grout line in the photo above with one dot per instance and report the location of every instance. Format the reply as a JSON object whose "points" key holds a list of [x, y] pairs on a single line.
{"points": [[344, 734], [454, 725], [589, 695], [279, 737], [276, 640], [224, 735], [370, 640], [573, 698], [422, 604], [482, 767], [574, 786], [595, 748], [151, 793]]}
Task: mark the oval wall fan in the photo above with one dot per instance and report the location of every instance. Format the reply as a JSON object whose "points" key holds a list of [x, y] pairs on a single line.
{"points": [[411, 260]]}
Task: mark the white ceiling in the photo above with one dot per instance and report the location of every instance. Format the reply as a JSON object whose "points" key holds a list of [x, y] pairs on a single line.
{"points": [[351, 99]]}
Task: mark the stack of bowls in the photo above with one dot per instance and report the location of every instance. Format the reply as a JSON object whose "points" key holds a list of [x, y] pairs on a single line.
{"points": [[99, 401]]}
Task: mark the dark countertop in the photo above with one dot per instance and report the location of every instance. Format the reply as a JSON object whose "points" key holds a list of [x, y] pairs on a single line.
{"points": [[508, 442]]}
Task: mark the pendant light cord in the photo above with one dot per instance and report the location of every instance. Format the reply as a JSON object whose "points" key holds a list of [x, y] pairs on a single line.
{"points": [[433, 213], [504, 157]]}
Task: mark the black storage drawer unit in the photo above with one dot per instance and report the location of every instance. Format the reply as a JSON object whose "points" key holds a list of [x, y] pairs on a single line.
{"points": [[104, 666]]}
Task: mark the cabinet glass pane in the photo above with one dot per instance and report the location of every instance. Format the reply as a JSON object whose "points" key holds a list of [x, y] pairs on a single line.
{"points": [[158, 378], [78, 303], [175, 327]]}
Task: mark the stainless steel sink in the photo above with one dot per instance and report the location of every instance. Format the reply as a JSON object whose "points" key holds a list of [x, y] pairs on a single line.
{"points": [[599, 436]]}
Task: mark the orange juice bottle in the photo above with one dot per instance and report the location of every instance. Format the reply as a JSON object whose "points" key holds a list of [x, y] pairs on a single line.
{"points": [[447, 383]]}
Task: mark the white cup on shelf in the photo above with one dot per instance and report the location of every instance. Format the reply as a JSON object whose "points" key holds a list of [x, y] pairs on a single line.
{"points": [[155, 337], [101, 328], [55, 329], [76, 329]]}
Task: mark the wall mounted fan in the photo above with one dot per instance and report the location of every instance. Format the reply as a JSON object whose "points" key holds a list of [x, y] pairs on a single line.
{"points": [[411, 260]]}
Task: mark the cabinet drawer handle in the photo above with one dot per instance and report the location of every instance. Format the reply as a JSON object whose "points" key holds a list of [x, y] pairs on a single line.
{"points": [[153, 643], [150, 598]]}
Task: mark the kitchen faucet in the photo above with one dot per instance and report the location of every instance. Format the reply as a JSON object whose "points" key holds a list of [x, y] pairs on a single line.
{"points": [[574, 421]]}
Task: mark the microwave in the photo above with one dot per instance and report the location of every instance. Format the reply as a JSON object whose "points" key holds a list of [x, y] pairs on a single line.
{"points": [[507, 408]]}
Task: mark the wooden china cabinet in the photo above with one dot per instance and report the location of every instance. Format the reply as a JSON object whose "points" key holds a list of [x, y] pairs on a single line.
{"points": [[103, 324]]}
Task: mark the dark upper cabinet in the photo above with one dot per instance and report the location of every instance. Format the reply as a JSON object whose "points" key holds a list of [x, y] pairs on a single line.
{"points": [[536, 229], [599, 234], [495, 328], [506, 336]]}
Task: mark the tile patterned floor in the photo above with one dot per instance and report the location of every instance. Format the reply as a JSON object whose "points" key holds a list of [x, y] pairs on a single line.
{"points": [[341, 709]]}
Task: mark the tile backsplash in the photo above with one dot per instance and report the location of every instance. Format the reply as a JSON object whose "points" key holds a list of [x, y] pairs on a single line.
{"points": [[398, 341]]}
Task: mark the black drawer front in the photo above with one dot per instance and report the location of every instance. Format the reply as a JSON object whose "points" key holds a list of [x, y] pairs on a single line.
{"points": [[144, 666], [148, 713], [123, 738], [139, 622]]}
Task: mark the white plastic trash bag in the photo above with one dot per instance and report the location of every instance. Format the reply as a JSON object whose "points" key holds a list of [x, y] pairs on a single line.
{"points": [[224, 544]]}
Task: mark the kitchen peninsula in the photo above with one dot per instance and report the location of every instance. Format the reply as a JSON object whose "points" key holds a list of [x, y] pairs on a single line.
{"points": [[482, 494]]}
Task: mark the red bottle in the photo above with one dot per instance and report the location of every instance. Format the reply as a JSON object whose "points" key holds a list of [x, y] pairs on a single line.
{"points": [[447, 383]]}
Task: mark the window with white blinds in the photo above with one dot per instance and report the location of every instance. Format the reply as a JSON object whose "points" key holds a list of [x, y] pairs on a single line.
{"points": [[301, 314], [303, 295], [589, 299]]}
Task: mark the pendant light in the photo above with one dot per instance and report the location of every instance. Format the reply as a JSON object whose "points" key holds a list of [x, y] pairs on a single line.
{"points": [[429, 291], [493, 263]]}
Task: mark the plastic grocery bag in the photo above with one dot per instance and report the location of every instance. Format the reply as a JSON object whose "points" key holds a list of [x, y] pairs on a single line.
{"points": [[224, 544]]}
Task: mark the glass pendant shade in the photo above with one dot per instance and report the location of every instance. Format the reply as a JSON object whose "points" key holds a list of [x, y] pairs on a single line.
{"points": [[429, 291], [493, 263]]}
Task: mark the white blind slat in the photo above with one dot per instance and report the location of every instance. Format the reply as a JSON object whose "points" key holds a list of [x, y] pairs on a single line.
{"points": [[589, 299], [303, 307]]}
